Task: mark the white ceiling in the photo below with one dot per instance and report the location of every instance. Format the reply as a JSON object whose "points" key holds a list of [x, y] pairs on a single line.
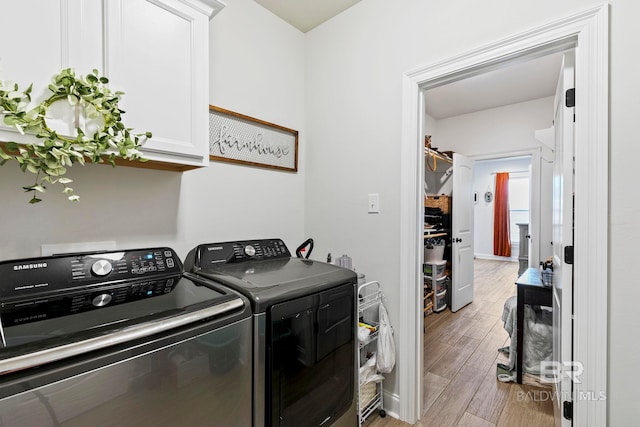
{"points": [[306, 14], [511, 84], [519, 82]]}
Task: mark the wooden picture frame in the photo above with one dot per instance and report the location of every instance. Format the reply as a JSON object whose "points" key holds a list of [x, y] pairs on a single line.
{"points": [[236, 138]]}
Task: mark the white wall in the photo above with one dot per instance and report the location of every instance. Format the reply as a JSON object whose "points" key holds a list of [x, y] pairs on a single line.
{"points": [[354, 70], [257, 68], [484, 179], [497, 130]]}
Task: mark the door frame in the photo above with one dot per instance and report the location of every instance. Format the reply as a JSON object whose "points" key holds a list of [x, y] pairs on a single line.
{"points": [[588, 32]]}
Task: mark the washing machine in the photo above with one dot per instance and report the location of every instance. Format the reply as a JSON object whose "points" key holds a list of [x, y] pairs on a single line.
{"points": [[121, 338]]}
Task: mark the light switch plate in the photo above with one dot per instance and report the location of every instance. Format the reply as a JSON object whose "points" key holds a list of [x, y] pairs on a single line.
{"points": [[374, 203]]}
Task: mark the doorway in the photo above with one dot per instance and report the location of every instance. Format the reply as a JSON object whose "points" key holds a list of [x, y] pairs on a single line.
{"points": [[472, 337], [519, 202], [589, 31]]}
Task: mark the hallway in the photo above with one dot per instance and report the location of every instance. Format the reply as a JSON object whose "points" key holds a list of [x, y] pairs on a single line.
{"points": [[460, 356]]}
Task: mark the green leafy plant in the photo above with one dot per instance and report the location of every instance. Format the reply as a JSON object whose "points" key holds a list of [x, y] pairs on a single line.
{"points": [[50, 158]]}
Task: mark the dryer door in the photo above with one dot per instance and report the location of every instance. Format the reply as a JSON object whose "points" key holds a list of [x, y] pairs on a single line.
{"points": [[310, 366]]}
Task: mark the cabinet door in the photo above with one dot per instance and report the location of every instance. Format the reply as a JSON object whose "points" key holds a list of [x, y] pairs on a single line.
{"points": [[157, 53], [31, 49], [41, 37]]}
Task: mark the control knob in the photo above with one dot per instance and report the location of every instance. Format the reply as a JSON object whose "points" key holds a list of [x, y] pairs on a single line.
{"points": [[102, 267], [249, 250], [101, 300]]}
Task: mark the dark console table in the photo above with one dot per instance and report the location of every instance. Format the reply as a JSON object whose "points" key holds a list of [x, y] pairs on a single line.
{"points": [[532, 292]]}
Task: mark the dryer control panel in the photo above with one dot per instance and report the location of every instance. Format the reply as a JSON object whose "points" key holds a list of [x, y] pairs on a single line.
{"points": [[212, 254]]}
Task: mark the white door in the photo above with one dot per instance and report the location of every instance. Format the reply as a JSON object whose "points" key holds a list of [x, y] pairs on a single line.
{"points": [[462, 233], [563, 238], [546, 206], [532, 237]]}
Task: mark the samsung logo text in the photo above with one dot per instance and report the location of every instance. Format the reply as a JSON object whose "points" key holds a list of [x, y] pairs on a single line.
{"points": [[29, 266]]}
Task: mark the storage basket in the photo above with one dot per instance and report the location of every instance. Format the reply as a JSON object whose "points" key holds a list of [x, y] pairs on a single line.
{"points": [[367, 393], [442, 202], [441, 301], [436, 269], [433, 252]]}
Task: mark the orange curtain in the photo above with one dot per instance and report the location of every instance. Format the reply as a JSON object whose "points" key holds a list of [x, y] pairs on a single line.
{"points": [[501, 237]]}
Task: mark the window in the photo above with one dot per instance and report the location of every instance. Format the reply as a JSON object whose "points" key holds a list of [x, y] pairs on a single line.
{"points": [[518, 204]]}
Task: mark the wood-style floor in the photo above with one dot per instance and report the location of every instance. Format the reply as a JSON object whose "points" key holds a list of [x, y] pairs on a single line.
{"points": [[460, 355]]}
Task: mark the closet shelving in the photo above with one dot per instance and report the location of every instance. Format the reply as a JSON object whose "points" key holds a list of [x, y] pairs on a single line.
{"points": [[444, 230], [439, 166], [431, 159], [432, 156]]}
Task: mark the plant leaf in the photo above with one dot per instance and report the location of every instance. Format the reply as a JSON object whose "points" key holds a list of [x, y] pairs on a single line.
{"points": [[109, 137]]}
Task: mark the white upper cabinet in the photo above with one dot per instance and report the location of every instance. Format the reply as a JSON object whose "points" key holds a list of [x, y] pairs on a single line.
{"points": [[30, 56], [155, 51]]}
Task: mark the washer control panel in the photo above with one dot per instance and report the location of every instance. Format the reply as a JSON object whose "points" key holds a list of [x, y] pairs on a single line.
{"points": [[212, 254], [27, 278]]}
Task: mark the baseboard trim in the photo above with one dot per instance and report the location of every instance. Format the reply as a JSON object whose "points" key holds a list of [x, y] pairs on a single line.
{"points": [[495, 257], [391, 404]]}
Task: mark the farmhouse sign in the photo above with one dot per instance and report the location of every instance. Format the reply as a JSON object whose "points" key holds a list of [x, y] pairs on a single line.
{"points": [[237, 138]]}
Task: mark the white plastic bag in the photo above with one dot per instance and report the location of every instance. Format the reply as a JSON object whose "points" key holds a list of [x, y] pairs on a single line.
{"points": [[363, 334], [368, 372], [386, 357]]}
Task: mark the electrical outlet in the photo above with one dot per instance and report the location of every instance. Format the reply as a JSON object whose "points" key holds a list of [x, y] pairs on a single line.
{"points": [[374, 203]]}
